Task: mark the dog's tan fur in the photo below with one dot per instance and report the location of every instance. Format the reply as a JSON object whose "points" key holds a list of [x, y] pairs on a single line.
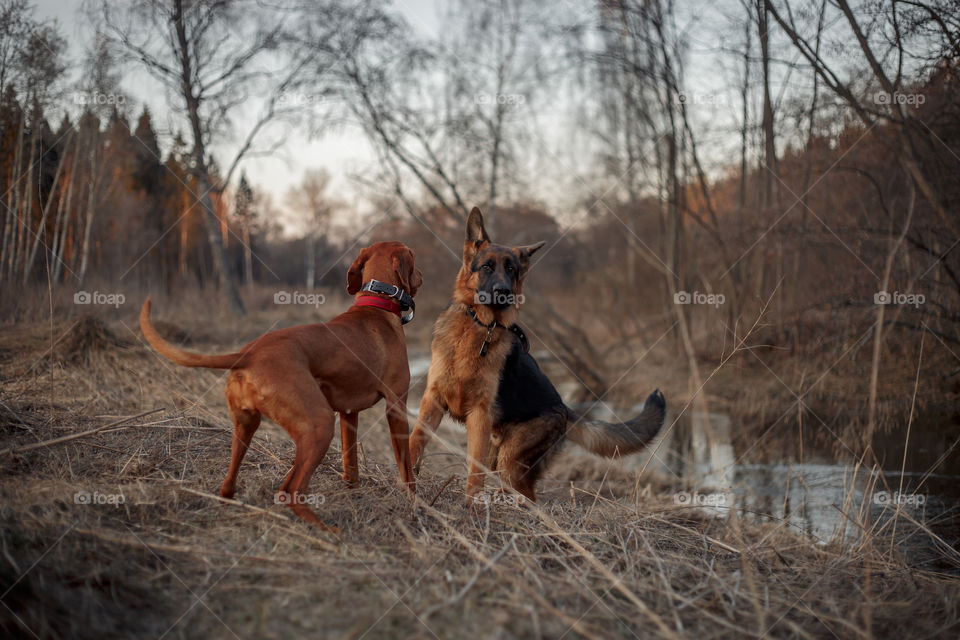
{"points": [[513, 430]]}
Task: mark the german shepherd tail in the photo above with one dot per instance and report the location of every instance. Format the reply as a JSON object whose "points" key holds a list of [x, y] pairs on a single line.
{"points": [[178, 355], [620, 438]]}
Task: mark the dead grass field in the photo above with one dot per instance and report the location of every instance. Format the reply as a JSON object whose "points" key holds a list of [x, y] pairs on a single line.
{"points": [[606, 554]]}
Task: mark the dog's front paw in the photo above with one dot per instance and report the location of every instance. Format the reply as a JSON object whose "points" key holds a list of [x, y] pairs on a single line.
{"points": [[416, 455]]}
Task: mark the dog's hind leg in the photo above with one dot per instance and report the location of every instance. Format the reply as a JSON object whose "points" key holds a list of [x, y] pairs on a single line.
{"points": [[527, 449], [245, 424], [348, 446], [284, 489], [304, 413], [312, 445]]}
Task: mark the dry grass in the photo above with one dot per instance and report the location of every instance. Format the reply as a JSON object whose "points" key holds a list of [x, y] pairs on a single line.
{"points": [[605, 555]]}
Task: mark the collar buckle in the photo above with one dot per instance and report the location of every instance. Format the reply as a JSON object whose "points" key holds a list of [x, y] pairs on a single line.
{"points": [[395, 292]]}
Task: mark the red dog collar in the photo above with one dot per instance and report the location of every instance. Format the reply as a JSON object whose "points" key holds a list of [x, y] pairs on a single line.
{"points": [[380, 303]]}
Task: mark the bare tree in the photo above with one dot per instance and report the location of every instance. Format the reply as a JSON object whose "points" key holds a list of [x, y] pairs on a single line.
{"points": [[902, 127], [16, 24], [644, 50], [45, 209], [244, 210], [496, 57], [449, 117], [31, 66], [311, 199], [385, 71], [100, 78], [213, 56], [61, 226], [771, 186]]}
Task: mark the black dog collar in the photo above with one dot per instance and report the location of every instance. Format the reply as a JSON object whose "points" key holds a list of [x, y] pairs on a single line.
{"points": [[395, 292], [514, 329]]}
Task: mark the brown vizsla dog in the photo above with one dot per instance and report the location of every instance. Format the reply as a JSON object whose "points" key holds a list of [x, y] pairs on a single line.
{"points": [[300, 376]]}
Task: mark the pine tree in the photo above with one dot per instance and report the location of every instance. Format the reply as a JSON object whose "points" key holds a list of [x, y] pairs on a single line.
{"points": [[243, 207], [147, 179]]}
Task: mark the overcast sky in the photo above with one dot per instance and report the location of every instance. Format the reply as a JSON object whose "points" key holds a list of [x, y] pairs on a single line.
{"points": [[343, 153]]}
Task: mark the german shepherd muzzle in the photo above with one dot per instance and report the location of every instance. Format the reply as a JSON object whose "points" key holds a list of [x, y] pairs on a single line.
{"points": [[482, 374]]}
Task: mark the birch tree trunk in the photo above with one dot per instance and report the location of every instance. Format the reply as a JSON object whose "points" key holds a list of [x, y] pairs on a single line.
{"points": [[228, 283], [45, 213], [10, 224], [91, 210], [311, 261], [26, 213], [247, 257], [62, 225]]}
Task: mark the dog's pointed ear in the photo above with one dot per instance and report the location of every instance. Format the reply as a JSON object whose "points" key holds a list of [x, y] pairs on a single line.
{"points": [[355, 274], [476, 233], [410, 277], [526, 251]]}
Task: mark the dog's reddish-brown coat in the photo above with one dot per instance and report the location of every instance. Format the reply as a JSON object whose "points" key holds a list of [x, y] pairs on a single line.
{"points": [[300, 376]]}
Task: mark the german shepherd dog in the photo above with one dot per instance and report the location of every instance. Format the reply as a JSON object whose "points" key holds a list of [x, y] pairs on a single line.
{"points": [[482, 374]]}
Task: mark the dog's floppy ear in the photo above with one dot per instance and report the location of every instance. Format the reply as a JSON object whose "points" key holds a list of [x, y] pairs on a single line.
{"points": [[355, 274], [525, 252], [410, 277], [476, 233]]}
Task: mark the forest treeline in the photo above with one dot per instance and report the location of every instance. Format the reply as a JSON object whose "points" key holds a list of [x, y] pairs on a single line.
{"points": [[837, 184], [97, 199]]}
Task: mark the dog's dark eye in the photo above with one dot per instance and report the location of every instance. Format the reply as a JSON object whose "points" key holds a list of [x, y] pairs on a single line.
{"points": [[509, 268], [487, 268]]}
